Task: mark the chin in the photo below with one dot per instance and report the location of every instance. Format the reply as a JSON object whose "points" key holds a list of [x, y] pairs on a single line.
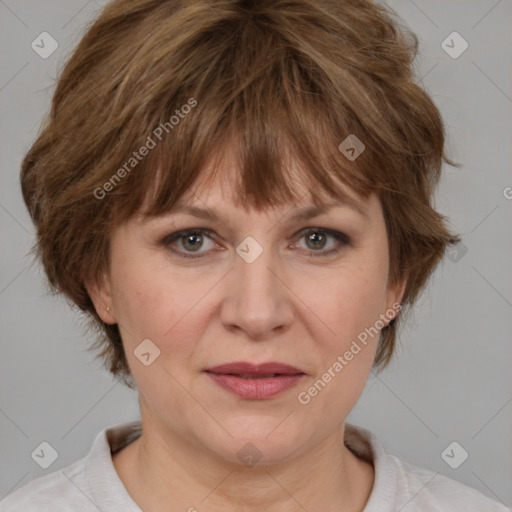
{"points": [[258, 439]]}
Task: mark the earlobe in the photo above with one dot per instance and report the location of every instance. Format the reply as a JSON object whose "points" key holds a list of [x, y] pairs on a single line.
{"points": [[100, 293], [394, 298]]}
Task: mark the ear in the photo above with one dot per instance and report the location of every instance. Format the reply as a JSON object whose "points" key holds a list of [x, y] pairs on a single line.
{"points": [[394, 297], [100, 292]]}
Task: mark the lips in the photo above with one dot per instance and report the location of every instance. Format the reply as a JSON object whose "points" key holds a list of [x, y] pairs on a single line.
{"points": [[255, 382], [243, 369]]}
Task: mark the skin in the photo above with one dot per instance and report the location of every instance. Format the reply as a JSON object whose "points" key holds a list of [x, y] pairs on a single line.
{"points": [[286, 306]]}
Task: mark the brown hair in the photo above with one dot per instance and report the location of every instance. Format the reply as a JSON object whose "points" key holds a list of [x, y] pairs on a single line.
{"points": [[280, 79]]}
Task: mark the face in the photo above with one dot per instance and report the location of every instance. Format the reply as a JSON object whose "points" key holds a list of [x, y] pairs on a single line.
{"points": [[255, 288]]}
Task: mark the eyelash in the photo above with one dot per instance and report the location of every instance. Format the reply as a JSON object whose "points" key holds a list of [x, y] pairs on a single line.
{"points": [[343, 239]]}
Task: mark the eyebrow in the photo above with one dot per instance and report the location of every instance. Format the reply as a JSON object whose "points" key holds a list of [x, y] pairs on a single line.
{"points": [[300, 214]]}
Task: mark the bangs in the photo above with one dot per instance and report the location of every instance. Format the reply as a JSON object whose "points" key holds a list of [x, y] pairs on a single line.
{"points": [[265, 166], [275, 113]]}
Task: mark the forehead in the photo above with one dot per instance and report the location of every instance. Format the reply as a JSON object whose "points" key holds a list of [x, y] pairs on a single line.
{"points": [[233, 174], [215, 204], [220, 183]]}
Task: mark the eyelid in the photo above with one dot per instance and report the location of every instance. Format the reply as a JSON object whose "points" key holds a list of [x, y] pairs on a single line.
{"points": [[341, 238], [332, 232], [176, 235]]}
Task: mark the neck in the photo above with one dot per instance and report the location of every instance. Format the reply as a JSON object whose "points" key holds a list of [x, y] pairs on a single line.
{"points": [[158, 471]]}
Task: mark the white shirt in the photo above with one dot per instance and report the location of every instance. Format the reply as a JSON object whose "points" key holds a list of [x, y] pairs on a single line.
{"points": [[92, 484]]}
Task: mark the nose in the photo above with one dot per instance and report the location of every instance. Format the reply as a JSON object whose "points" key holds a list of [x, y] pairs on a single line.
{"points": [[257, 299]]}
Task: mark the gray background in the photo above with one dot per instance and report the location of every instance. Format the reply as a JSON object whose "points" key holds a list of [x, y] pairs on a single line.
{"points": [[451, 380]]}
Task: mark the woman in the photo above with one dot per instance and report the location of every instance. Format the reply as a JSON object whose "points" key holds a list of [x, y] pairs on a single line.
{"points": [[239, 195]]}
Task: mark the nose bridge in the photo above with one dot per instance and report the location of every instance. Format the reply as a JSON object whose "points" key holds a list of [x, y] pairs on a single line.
{"points": [[254, 267], [256, 301]]}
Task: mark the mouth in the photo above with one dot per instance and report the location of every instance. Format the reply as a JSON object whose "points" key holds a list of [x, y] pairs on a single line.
{"points": [[248, 376], [255, 382]]}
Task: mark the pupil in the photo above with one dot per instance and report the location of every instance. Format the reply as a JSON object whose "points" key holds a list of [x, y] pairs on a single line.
{"points": [[315, 237], [190, 238]]}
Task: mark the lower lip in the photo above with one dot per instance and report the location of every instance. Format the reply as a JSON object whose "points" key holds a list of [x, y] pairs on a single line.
{"points": [[256, 389]]}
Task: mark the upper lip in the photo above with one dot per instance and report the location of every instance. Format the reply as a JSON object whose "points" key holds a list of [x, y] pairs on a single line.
{"points": [[244, 368]]}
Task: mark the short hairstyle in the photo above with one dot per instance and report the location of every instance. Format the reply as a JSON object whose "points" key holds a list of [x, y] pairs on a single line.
{"points": [[282, 81]]}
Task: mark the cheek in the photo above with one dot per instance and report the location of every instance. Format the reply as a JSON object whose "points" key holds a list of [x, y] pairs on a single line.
{"points": [[153, 301], [350, 305], [349, 299]]}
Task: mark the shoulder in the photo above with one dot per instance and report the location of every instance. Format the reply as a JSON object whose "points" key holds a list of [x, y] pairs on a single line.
{"points": [[88, 485], [400, 485], [421, 489], [59, 491]]}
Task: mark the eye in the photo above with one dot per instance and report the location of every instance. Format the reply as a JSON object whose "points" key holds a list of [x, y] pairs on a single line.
{"points": [[316, 240], [190, 239]]}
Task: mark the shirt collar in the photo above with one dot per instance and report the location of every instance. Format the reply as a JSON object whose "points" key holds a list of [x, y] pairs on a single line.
{"points": [[110, 495]]}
